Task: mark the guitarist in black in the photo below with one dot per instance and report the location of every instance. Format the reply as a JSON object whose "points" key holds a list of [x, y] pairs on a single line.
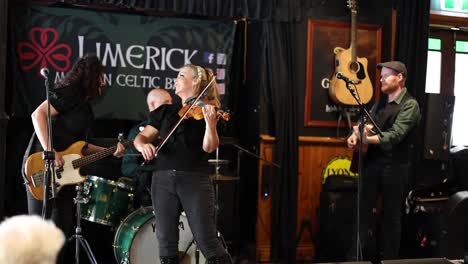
{"points": [[72, 117], [387, 164]]}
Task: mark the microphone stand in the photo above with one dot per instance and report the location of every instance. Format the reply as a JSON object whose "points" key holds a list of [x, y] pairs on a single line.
{"points": [[362, 113], [48, 155], [241, 149]]}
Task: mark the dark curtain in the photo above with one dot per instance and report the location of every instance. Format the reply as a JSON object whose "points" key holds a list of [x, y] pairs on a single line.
{"points": [[411, 43], [251, 9], [282, 80], [280, 84], [411, 48], [3, 114]]}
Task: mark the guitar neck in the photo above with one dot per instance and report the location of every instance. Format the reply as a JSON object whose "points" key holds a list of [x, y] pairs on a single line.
{"points": [[86, 160], [353, 35]]}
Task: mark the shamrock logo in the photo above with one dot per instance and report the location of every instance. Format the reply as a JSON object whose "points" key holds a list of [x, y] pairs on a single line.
{"points": [[44, 50]]}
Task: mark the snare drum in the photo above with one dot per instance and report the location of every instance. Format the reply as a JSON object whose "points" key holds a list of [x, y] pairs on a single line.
{"points": [[135, 239], [108, 201]]}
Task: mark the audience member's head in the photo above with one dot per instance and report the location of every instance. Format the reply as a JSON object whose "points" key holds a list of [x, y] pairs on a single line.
{"points": [[29, 239], [158, 97]]}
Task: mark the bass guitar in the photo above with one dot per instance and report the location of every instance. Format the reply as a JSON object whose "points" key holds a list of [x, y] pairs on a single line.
{"points": [[69, 173], [354, 68]]}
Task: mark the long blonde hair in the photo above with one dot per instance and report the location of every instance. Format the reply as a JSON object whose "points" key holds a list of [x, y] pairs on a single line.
{"points": [[205, 77]]}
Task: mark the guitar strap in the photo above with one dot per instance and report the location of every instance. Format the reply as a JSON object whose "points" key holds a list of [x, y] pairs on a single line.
{"points": [[348, 118], [338, 122], [25, 157], [344, 112]]}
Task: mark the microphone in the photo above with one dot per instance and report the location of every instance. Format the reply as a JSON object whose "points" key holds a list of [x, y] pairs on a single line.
{"points": [[45, 72], [339, 75]]}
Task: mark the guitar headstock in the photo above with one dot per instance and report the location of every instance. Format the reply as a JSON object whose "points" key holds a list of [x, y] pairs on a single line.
{"points": [[352, 4]]}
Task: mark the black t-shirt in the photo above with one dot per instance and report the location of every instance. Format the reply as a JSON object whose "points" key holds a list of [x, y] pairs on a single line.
{"points": [[184, 148], [75, 117]]}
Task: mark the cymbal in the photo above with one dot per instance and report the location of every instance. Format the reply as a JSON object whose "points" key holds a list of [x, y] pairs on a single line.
{"points": [[228, 140], [218, 161], [220, 177]]}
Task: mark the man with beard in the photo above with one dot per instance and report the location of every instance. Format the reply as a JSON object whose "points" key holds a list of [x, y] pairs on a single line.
{"points": [[387, 164]]}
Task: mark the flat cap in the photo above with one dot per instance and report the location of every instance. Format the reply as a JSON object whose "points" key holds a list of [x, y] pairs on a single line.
{"points": [[397, 66]]}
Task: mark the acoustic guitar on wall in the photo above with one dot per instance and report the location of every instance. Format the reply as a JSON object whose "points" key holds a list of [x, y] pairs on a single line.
{"points": [[354, 68]]}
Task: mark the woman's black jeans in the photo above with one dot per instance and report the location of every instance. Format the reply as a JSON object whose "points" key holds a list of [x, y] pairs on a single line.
{"points": [[173, 191]]}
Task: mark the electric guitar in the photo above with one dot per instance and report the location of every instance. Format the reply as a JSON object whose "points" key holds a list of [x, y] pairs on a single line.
{"points": [[354, 68], [69, 173]]}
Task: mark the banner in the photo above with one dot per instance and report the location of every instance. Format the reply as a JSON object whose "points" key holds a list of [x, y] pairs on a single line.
{"points": [[139, 53]]}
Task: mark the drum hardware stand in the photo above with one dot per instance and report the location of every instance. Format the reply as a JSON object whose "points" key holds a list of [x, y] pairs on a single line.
{"points": [[216, 201], [79, 238], [216, 206], [197, 252], [125, 260]]}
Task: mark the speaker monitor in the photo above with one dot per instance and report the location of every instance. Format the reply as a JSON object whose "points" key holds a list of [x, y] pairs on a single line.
{"points": [[337, 218], [359, 262], [438, 128], [443, 227], [457, 229], [459, 162], [418, 261]]}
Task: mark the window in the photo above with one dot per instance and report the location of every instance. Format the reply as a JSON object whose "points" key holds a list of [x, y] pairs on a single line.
{"points": [[459, 123], [447, 62], [434, 59], [454, 5]]}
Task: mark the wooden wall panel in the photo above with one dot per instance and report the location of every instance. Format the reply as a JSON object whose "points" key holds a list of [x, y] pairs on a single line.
{"points": [[314, 155]]}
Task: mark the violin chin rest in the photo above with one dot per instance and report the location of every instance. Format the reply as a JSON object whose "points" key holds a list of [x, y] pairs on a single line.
{"points": [[200, 103]]}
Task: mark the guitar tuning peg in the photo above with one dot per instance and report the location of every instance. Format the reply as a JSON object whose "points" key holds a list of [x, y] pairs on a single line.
{"points": [[120, 137]]}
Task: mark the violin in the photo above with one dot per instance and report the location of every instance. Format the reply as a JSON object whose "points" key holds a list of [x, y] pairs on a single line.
{"points": [[196, 111]]}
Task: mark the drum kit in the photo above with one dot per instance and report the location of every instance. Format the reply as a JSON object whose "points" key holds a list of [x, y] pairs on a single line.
{"points": [[110, 203], [107, 201], [135, 239]]}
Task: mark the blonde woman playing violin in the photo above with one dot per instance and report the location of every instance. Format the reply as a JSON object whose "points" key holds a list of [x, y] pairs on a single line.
{"points": [[181, 180]]}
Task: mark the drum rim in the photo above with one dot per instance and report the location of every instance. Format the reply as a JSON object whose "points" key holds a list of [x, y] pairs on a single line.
{"points": [[111, 182], [97, 220], [117, 231]]}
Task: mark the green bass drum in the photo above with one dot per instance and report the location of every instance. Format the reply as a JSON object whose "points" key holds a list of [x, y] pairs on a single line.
{"points": [[135, 240]]}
